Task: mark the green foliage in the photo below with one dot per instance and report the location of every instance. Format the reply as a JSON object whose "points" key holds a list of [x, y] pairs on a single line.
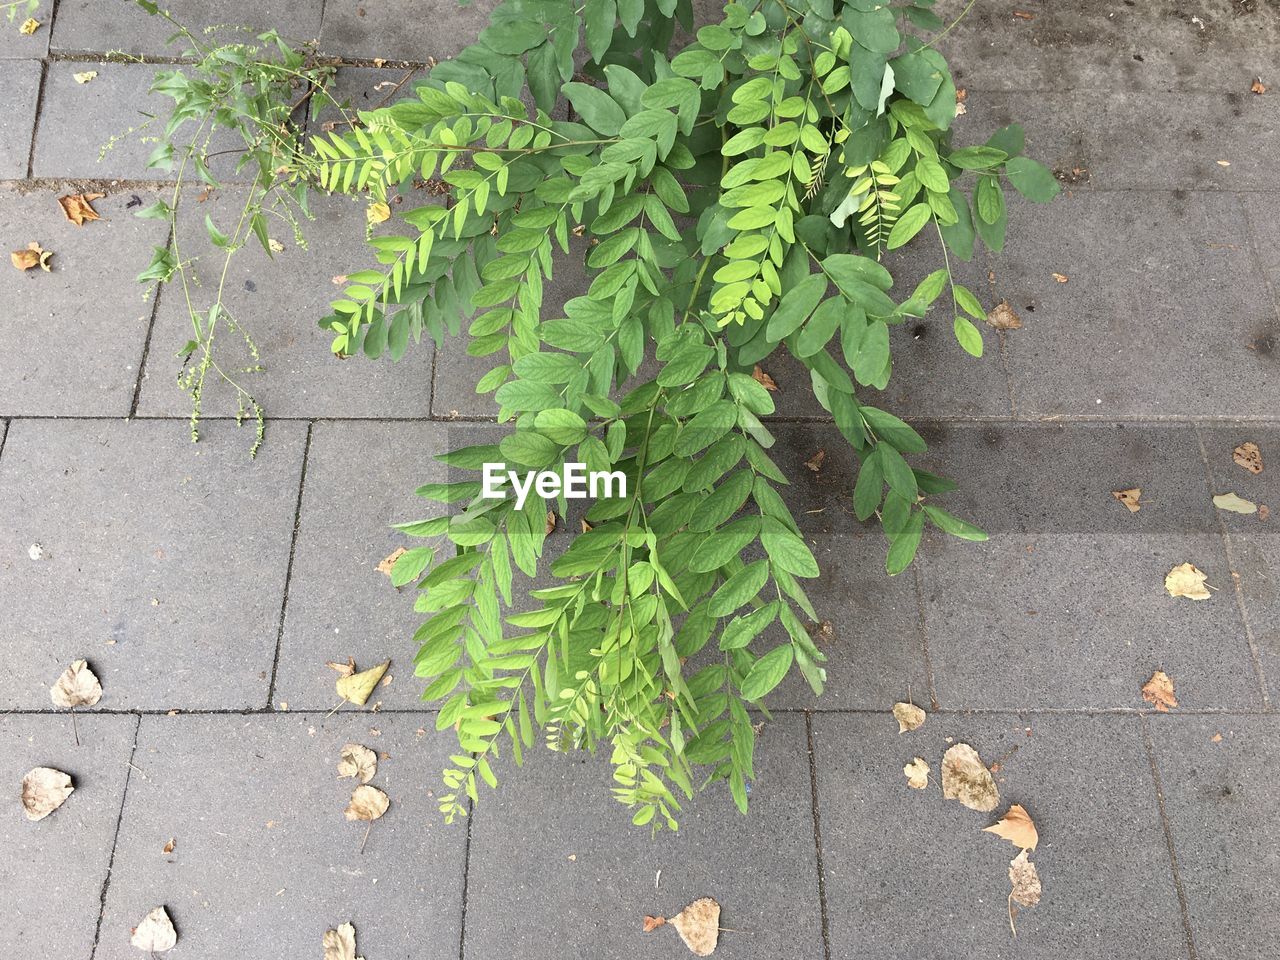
{"points": [[734, 197]]}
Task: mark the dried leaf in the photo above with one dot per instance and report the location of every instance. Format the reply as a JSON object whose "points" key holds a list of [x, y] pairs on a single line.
{"points": [[342, 669], [29, 26], [1003, 317], [78, 207], [1263, 511], [357, 761], [275, 246], [764, 379], [917, 772], [340, 944], [551, 521], [964, 778], [33, 256], [155, 934], [86, 76], [357, 687], [1016, 827], [586, 527], [1024, 883], [1024, 15], [653, 923], [1258, 86], [1185, 580], [1131, 498], [909, 716], [390, 561], [44, 790], [378, 213], [77, 687], [170, 846], [815, 462], [367, 803], [1248, 456], [1061, 277], [1159, 691], [1229, 501], [699, 926]]}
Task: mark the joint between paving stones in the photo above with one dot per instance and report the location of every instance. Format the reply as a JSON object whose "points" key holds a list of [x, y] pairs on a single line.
{"points": [[35, 121], [288, 570], [466, 872], [1168, 840], [146, 342], [115, 838], [817, 836], [932, 690]]}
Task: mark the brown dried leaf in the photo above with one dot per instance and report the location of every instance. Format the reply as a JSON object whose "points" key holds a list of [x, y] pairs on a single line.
{"points": [[551, 521], [1024, 15], [1003, 317], [1264, 512], [33, 256], [78, 207], [367, 803], [342, 669], [1131, 498], [44, 790], [1186, 580], [1024, 883], [170, 846], [815, 462], [909, 716], [385, 565], [965, 778], [1248, 456], [1159, 691], [1061, 277], [699, 926], [77, 687], [1258, 86], [917, 772], [1016, 827], [357, 761], [764, 379], [155, 934], [340, 944], [653, 923], [586, 527], [357, 687]]}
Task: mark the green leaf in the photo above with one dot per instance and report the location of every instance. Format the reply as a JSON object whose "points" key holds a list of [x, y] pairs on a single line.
{"points": [[908, 225], [903, 549], [787, 550], [563, 426], [795, 306], [953, 525], [767, 672], [968, 336], [740, 589], [1031, 179], [977, 158], [897, 473], [597, 109]]}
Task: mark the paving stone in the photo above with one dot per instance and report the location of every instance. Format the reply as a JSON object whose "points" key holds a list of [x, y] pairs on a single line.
{"points": [[909, 874], [1140, 139], [365, 88], [279, 300], [15, 45], [166, 559], [521, 872], [1263, 211], [263, 853], [83, 26], [1220, 799], [1098, 45], [52, 872], [21, 78], [402, 29], [1066, 606], [1162, 300], [75, 335], [1255, 543]]}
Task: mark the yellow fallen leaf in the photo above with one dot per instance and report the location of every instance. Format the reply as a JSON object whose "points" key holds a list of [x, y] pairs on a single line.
{"points": [[155, 934], [378, 213], [1131, 498], [909, 716], [357, 761], [275, 246], [85, 77], [1024, 883], [1016, 827], [966, 778], [917, 772], [1159, 691], [1185, 580], [29, 26], [340, 944], [1248, 455], [33, 256], [44, 790], [1235, 504], [1003, 317], [78, 207], [357, 687]]}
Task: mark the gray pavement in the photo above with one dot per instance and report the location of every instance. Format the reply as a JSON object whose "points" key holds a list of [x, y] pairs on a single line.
{"points": [[209, 590]]}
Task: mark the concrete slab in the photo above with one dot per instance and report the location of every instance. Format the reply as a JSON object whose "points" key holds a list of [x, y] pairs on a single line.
{"points": [[165, 560], [278, 301], [15, 45], [909, 874], [21, 78], [1219, 790], [52, 873], [262, 852], [76, 334], [526, 865], [1263, 212], [402, 29], [1161, 301]]}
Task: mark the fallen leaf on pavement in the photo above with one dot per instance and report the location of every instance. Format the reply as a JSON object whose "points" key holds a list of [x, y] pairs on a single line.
{"points": [[1131, 498], [815, 462], [909, 716], [33, 256], [44, 790], [1003, 317], [357, 687], [698, 925], [1061, 277], [29, 26], [764, 379], [1159, 691], [1263, 511], [367, 803], [86, 76], [965, 778], [1016, 827], [77, 687], [1025, 883], [275, 246], [170, 846], [390, 561], [155, 934], [343, 669], [1248, 456], [586, 527], [378, 213], [917, 772], [1185, 580], [357, 761], [1229, 501], [1258, 86], [78, 207], [340, 944], [551, 521], [653, 923]]}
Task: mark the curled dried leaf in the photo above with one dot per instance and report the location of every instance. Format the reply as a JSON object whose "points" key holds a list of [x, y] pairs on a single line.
{"points": [[388, 562], [917, 772], [44, 790], [342, 669], [815, 462], [1131, 498], [340, 944], [653, 923], [33, 256], [357, 687], [367, 803], [78, 207], [1016, 827], [966, 778], [764, 379], [1158, 691], [551, 521], [1186, 580], [155, 934], [77, 687], [1248, 455], [1003, 317], [909, 716], [29, 26], [357, 761]]}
